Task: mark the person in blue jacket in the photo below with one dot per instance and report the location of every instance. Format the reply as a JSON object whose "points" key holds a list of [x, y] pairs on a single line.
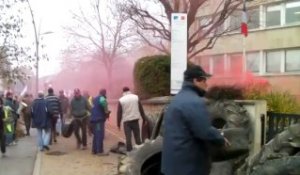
{"points": [[187, 128], [42, 121], [99, 114]]}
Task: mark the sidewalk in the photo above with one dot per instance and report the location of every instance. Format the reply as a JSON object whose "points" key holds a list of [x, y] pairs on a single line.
{"points": [[20, 158], [65, 159]]}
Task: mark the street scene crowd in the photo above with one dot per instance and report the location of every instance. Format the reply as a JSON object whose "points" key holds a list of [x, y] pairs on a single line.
{"points": [[49, 112], [186, 120]]}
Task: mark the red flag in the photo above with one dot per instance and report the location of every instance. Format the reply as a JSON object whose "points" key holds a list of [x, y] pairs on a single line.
{"points": [[244, 25]]}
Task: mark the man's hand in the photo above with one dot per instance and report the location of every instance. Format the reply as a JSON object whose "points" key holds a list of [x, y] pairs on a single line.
{"points": [[144, 122]]}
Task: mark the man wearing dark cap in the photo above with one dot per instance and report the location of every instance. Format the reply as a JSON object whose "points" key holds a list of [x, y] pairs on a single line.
{"points": [[129, 111], [187, 128]]}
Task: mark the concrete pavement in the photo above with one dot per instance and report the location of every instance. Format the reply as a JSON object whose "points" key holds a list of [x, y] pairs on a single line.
{"points": [[65, 159], [20, 158]]}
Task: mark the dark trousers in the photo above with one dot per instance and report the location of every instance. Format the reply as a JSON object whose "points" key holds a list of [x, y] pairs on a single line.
{"points": [[81, 124], [98, 137], [15, 129], [53, 129], [27, 121], [132, 127], [2, 142]]}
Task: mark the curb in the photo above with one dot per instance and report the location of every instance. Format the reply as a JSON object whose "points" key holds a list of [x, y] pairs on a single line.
{"points": [[37, 164]]}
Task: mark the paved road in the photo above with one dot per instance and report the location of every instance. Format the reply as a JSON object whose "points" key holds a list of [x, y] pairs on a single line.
{"points": [[20, 158]]}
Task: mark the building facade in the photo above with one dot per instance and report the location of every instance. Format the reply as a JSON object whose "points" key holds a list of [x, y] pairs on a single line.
{"points": [[271, 50]]}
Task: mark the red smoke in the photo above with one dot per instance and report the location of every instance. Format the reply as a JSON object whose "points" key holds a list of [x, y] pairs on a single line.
{"points": [[233, 75], [91, 76]]}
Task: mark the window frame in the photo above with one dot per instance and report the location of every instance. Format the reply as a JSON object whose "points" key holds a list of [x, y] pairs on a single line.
{"points": [[258, 59], [275, 6], [281, 59], [293, 4], [285, 61]]}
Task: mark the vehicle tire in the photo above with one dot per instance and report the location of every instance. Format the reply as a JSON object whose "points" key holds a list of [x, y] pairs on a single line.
{"points": [[144, 159], [239, 145], [233, 120], [228, 114], [148, 128], [283, 166]]}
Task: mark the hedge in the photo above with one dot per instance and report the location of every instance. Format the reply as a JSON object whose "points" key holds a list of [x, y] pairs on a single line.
{"points": [[152, 76]]}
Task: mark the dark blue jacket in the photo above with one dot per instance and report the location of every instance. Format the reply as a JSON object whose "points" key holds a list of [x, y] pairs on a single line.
{"points": [[187, 134], [40, 115], [98, 112]]}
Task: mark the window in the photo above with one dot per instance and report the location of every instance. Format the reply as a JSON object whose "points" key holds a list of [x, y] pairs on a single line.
{"points": [[292, 60], [292, 12], [273, 16], [218, 65], [236, 63], [204, 63], [235, 20], [253, 18], [252, 61], [206, 23], [273, 61]]}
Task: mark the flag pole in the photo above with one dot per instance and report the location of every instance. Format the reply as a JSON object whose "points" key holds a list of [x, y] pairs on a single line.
{"points": [[244, 40], [244, 55]]}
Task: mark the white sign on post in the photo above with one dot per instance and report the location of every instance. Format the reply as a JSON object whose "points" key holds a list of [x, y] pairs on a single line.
{"points": [[178, 50]]}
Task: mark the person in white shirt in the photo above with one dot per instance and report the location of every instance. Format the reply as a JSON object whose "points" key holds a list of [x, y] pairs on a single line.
{"points": [[130, 110]]}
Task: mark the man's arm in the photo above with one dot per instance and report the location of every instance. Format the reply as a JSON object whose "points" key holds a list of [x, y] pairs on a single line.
{"points": [[142, 112], [119, 115], [103, 103], [87, 105], [198, 120]]}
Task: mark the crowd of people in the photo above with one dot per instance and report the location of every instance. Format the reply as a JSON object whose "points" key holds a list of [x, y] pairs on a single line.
{"points": [[187, 126], [88, 115]]}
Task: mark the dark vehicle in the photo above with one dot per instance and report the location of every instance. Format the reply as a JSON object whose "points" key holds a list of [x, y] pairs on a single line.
{"points": [[244, 125]]}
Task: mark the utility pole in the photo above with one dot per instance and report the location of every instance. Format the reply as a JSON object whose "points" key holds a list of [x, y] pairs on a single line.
{"points": [[37, 46], [36, 49]]}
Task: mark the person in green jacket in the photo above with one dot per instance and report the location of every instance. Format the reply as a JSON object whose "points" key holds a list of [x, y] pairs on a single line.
{"points": [[79, 111]]}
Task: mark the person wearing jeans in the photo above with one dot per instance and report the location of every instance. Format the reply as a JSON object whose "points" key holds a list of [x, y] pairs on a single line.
{"points": [[44, 136], [130, 110], [42, 121], [99, 115]]}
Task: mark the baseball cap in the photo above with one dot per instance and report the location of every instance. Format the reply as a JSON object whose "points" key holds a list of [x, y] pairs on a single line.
{"points": [[195, 71]]}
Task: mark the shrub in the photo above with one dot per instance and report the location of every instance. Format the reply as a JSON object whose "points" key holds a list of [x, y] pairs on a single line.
{"points": [[277, 101], [225, 92], [152, 76], [282, 102]]}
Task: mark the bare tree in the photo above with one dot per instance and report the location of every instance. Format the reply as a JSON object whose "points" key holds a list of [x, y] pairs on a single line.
{"points": [[12, 54], [103, 32], [204, 28]]}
